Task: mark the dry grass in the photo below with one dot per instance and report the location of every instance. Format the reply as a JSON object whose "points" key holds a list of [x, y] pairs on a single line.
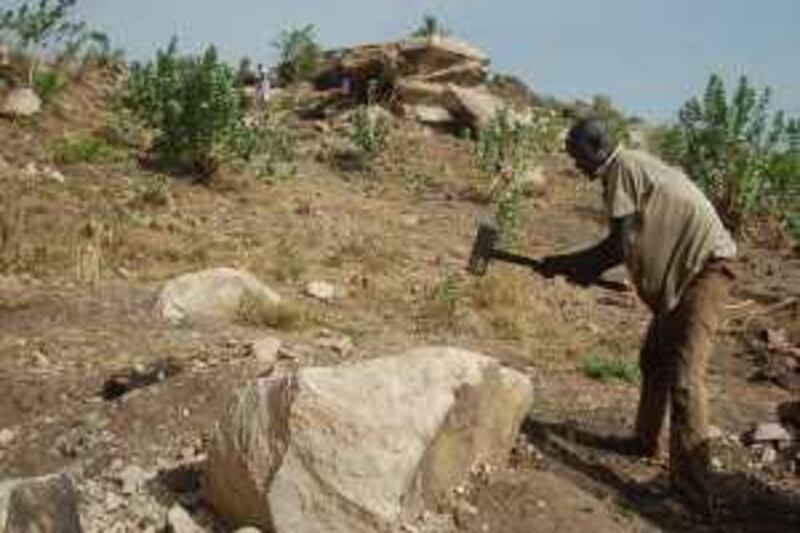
{"points": [[12, 229]]}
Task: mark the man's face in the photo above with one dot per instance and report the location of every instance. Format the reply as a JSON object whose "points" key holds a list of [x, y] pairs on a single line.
{"points": [[583, 157]]}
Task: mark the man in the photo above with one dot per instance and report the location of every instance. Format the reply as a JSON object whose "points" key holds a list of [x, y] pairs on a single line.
{"points": [[679, 256]]}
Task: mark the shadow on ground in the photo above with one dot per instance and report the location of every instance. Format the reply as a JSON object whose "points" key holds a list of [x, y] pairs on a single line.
{"points": [[593, 461]]}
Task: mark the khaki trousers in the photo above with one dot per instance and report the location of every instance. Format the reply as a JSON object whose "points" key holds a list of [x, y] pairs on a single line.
{"points": [[673, 363]]}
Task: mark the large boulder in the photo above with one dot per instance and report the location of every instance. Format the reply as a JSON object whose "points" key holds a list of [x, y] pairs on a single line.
{"points": [[46, 504], [21, 102], [476, 105], [361, 447], [214, 294]]}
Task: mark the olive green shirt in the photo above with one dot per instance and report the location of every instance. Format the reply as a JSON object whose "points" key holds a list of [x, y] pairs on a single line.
{"points": [[675, 231]]}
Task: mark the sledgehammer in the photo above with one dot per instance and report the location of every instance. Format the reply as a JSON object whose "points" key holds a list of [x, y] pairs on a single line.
{"points": [[484, 250]]}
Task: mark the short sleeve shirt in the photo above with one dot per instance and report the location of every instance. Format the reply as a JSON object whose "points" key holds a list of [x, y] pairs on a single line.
{"points": [[676, 229]]}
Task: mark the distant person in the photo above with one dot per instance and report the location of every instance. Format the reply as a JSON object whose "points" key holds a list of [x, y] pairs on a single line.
{"points": [[5, 55], [262, 85], [679, 257]]}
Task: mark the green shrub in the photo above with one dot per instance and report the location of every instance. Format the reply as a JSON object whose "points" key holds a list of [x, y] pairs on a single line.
{"points": [[441, 305], [195, 108], [81, 149], [507, 146], [745, 157], [298, 54], [48, 84], [275, 149], [608, 369], [368, 131]]}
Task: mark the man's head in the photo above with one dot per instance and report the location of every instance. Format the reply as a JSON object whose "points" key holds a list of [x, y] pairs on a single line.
{"points": [[589, 144]]}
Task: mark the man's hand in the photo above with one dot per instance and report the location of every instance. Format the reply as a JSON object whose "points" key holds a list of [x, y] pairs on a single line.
{"points": [[568, 266]]}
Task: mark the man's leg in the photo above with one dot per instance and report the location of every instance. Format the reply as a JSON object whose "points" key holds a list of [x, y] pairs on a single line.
{"points": [[692, 326], [654, 393]]}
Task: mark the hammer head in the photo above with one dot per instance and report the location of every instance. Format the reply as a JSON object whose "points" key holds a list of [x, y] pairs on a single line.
{"points": [[482, 249]]}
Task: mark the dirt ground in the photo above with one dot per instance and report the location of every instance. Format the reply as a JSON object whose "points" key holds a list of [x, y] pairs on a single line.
{"points": [[92, 252]]}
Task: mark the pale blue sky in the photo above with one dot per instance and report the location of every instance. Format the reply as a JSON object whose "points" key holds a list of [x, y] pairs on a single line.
{"points": [[648, 55]]}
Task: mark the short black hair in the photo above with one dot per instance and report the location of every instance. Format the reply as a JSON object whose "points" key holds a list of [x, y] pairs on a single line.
{"points": [[592, 135]]}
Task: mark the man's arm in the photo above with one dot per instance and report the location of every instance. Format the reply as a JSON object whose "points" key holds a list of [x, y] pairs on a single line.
{"points": [[585, 266]]}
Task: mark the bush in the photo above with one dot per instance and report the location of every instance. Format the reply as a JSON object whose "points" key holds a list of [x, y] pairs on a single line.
{"points": [[275, 148], [298, 54], [195, 108], [745, 157]]}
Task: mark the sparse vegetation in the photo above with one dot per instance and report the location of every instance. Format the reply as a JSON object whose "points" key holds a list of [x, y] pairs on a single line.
{"points": [[283, 316], [299, 54], [441, 305], [195, 108], [81, 148], [606, 369], [48, 84], [49, 27], [744, 156], [274, 153]]}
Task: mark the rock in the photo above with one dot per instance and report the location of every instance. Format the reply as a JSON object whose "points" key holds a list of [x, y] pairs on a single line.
{"points": [[46, 504], [266, 351], [132, 479], [359, 447], [7, 435], [54, 174], [321, 290], [30, 170], [466, 74], [715, 433], [179, 521], [214, 294], [428, 114], [248, 529], [341, 344], [477, 106], [415, 92], [770, 432], [533, 182], [22, 102]]}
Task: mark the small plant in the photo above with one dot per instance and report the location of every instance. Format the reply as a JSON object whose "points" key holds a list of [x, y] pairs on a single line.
{"points": [[369, 128], [195, 107], [442, 303], [607, 369], [507, 146], [298, 54], [73, 149], [275, 151], [289, 265]]}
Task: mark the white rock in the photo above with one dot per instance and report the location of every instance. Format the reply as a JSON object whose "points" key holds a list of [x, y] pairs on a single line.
{"points": [[248, 529], [54, 174], [533, 182], [266, 350], [359, 447], [770, 432], [214, 294], [321, 290], [7, 435], [22, 102], [30, 170], [179, 521], [715, 433], [46, 504], [132, 479]]}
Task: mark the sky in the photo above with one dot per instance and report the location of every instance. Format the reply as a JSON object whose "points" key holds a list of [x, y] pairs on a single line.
{"points": [[649, 56]]}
